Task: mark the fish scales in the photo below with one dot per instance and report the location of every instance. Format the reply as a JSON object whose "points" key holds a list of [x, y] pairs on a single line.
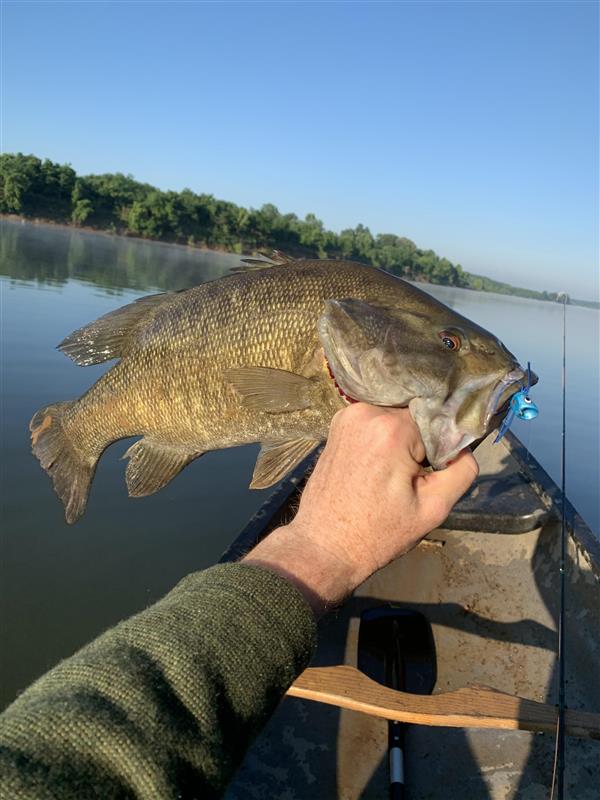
{"points": [[247, 358]]}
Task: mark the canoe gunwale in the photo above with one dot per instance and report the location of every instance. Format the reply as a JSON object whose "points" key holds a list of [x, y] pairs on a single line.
{"points": [[550, 494], [274, 510]]}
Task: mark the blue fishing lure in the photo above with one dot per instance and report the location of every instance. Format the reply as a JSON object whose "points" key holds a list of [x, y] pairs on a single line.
{"points": [[521, 405]]}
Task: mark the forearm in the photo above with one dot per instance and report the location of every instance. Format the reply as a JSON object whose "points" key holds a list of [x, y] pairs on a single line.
{"points": [[165, 704], [323, 575]]}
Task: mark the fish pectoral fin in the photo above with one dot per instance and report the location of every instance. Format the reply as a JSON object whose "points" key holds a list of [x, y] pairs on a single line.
{"points": [[276, 459], [152, 465], [109, 336], [272, 390]]}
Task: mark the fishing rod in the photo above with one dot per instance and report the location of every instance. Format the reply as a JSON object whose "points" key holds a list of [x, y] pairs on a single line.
{"points": [[558, 774]]}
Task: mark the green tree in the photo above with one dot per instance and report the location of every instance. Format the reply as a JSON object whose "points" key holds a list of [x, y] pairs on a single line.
{"points": [[82, 209], [312, 235], [12, 187]]}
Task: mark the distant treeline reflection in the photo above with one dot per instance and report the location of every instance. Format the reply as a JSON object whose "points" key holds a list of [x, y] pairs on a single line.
{"points": [[117, 203], [48, 255]]}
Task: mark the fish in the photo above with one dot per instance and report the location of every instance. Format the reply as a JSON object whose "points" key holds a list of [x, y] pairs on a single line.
{"points": [[268, 355]]}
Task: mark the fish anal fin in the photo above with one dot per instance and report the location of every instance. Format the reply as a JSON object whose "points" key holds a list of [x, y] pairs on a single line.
{"points": [[109, 336], [275, 391], [276, 459], [152, 465]]}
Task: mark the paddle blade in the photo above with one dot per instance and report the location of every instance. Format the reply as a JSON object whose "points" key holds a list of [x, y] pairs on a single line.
{"points": [[396, 648]]}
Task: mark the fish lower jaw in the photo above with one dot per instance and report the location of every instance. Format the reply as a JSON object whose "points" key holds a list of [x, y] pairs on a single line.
{"points": [[442, 438], [448, 455], [450, 450]]}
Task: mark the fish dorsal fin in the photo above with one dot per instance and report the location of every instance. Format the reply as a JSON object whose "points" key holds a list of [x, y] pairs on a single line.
{"points": [[152, 465], [109, 336], [275, 391], [275, 259], [276, 459]]}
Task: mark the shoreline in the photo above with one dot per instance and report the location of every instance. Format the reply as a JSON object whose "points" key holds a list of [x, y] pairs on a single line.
{"points": [[43, 222], [202, 248]]}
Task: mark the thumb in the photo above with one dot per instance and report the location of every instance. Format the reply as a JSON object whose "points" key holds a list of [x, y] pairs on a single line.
{"points": [[441, 490]]}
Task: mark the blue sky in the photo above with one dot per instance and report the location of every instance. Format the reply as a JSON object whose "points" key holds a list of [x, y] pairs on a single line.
{"points": [[471, 128]]}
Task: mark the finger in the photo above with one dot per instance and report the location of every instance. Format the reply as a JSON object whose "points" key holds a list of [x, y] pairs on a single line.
{"points": [[451, 483], [411, 430]]}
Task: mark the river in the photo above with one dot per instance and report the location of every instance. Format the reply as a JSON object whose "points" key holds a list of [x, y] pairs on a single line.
{"points": [[61, 585]]}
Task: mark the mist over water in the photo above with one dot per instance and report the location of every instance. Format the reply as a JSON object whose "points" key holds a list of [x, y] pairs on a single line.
{"points": [[62, 585]]}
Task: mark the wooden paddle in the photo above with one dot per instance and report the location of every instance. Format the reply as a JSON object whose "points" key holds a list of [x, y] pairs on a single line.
{"points": [[472, 707]]}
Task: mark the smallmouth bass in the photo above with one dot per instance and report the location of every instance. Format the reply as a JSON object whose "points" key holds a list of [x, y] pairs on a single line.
{"points": [[268, 355]]}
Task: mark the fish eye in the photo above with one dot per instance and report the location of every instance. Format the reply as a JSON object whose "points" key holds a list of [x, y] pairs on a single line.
{"points": [[526, 399], [449, 340]]}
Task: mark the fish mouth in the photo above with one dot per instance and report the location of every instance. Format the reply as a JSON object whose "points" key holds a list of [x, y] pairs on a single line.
{"points": [[499, 400]]}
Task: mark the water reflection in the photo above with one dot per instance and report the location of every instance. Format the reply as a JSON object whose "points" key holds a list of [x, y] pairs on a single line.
{"points": [[47, 254]]}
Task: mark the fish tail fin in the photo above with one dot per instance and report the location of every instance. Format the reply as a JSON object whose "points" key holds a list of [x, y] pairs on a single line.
{"points": [[71, 471]]}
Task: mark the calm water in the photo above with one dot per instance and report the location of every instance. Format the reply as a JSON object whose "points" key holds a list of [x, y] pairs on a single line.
{"points": [[61, 585]]}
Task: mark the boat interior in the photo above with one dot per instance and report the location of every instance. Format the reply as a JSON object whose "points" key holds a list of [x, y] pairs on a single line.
{"points": [[488, 583]]}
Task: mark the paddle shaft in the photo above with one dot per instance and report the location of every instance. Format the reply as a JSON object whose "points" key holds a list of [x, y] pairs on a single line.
{"points": [[396, 730], [396, 759]]}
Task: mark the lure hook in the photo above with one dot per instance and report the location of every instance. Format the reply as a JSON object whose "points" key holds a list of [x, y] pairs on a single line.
{"points": [[521, 406]]}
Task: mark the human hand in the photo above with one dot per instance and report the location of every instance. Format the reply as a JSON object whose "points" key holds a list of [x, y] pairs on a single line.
{"points": [[367, 502]]}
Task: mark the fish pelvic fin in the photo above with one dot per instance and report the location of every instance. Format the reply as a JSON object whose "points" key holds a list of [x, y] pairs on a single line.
{"points": [[70, 470], [152, 465], [275, 391], [276, 459], [109, 336]]}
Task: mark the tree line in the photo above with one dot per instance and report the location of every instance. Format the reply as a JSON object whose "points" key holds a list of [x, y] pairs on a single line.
{"points": [[118, 203]]}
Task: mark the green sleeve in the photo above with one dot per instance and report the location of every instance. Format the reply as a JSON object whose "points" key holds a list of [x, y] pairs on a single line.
{"points": [[165, 704]]}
